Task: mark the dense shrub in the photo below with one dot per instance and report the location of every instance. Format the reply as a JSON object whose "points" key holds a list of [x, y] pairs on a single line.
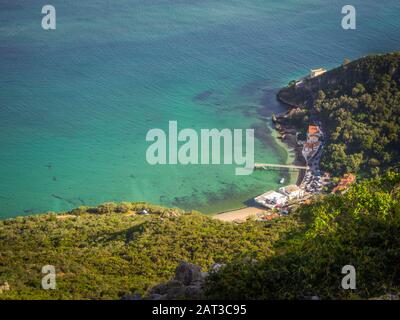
{"points": [[103, 253], [359, 106], [359, 228]]}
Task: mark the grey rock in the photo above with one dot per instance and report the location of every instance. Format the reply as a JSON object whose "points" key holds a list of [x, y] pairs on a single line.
{"points": [[161, 288], [176, 293], [186, 284], [193, 292], [188, 273]]}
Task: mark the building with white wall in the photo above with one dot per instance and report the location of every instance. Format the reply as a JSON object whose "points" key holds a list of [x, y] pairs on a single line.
{"points": [[292, 192], [272, 199]]}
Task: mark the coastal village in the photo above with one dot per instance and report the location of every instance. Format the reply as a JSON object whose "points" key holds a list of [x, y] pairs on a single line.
{"points": [[312, 182], [277, 203]]}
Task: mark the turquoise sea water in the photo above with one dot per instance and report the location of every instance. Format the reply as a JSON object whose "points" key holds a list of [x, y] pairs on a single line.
{"points": [[76, 103]]}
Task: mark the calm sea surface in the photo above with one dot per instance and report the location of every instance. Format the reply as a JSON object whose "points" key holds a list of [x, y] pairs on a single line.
{"points": [[76, 103]]}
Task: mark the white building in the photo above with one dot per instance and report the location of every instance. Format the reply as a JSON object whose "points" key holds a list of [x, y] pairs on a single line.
{"points": [[316, 72], [292, 191], [272, 199]]}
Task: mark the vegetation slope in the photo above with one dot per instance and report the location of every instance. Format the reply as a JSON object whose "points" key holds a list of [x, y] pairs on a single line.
{"points": [[359, 107], [359, 228], [109, 251]]}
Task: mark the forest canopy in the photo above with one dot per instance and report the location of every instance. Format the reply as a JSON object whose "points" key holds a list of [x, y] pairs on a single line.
{"points": [[359, 228], [359, 107]]}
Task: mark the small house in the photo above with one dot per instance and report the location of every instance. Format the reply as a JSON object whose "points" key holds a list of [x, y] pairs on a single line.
{"points": [[344, 183], [292, 192], [272, 199], [316, 72]]}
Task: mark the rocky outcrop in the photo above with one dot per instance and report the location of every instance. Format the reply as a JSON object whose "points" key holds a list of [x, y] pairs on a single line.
{"points": [[187, 284], [188, 273], [343, 79]]}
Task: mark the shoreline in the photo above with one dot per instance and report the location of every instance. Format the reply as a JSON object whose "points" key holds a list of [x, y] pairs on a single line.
{"points": [[299, 159], [290, 149], [283, 136], [295, 149], [239, 215]]}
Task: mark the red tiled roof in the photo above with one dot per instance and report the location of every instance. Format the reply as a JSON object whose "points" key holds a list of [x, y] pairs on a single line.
{"points": [[313, 129], [345, 182]]}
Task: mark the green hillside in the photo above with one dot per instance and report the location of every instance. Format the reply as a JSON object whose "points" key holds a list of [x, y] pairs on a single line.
{"points": [[106, 252], [359, 228], [359, 107]]}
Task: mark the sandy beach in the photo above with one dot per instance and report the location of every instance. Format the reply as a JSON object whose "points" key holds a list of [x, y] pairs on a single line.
{"points": [[294, 177], [238, 215]]}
